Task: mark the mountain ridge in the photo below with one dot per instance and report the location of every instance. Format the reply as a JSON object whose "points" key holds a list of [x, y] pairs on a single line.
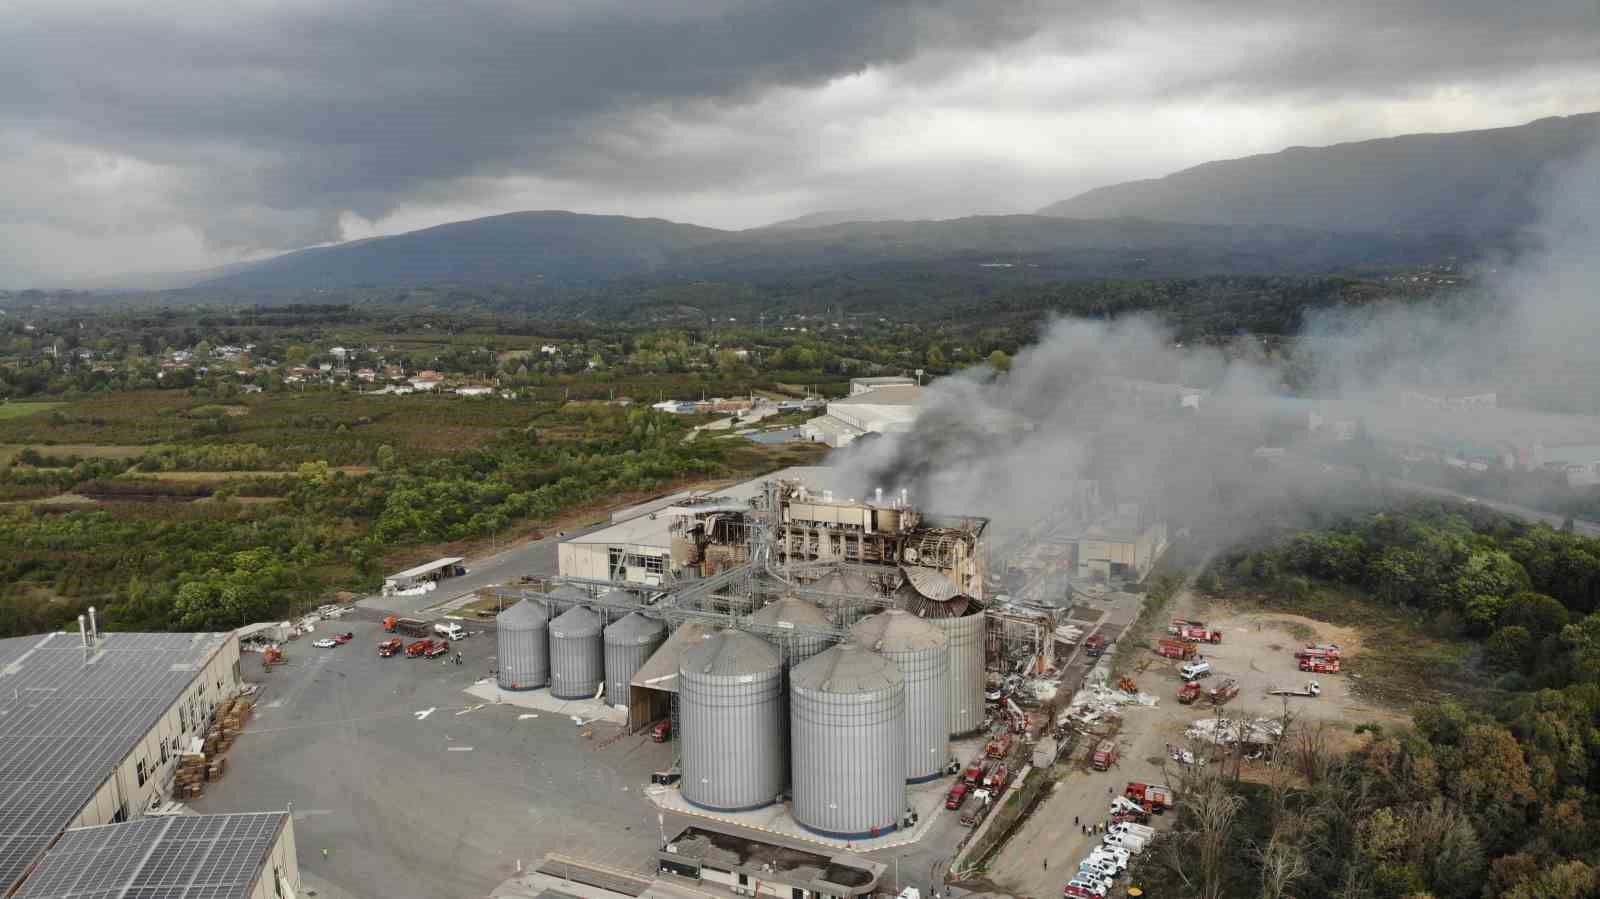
{"points": [[1481, 184]]}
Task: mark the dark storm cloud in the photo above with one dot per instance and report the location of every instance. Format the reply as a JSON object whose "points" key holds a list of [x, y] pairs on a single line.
{"points": [[259, 124], [325, 107]]}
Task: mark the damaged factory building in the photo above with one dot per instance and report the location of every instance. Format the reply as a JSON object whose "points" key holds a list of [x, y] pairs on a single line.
{"points": [[816, 528]]}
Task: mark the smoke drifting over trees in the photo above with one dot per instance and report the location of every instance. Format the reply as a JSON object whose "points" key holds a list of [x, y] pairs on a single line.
{"points": [[1015, 445]]}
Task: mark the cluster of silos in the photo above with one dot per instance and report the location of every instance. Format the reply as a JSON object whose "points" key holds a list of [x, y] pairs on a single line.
{"points": [[523, 645], [577, 658], [797, 628], [734, 733], [847, 726], [921, 653], [629, 643]]}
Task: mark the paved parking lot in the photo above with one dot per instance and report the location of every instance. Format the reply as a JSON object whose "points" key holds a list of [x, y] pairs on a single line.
{"points": [[440, 806]]}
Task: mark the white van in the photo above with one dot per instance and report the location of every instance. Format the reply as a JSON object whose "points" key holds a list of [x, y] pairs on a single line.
{"points": [[1142, 830], [1127, 841], [1196, 670], [450, 630]]}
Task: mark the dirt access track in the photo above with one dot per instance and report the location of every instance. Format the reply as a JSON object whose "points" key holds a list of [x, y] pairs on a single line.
{"points": [[1257, 651]]}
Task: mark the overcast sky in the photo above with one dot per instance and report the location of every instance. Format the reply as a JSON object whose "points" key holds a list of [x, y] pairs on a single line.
{"points": [[174, 134]]}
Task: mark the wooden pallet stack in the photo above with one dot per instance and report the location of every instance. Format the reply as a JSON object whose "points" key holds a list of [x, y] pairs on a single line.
{"points": [[189, 780]]}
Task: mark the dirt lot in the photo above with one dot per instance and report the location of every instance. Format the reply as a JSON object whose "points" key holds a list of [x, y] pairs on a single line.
{"points": [[1257, 650]]}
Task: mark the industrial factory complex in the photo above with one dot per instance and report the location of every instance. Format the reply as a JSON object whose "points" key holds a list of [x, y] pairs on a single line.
{"points": [[813, 689]]}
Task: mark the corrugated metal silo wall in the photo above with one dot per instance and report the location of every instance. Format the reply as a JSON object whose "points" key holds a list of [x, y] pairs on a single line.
{"points": [[577, 666], [524, 658], [966, 671], [623, 660], [735, 734], [927, 674], [849, 760]]}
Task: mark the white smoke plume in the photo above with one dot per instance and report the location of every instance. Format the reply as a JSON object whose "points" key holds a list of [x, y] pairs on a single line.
{"points": [[1016, 446]]}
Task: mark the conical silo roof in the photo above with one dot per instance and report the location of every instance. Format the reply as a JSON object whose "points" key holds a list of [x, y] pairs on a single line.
{"points": [[633, 628], [791, 610], [729, 653], [575, 622], [847, 668], [525, 615], [895, 630]]}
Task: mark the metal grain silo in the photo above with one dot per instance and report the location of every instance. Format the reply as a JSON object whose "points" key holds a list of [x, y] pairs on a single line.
{"points": [[847, 723], [921, 652], [524, 654], [733, 725], [796, 627], [629, 643], [929, 595], [967, 678], [577, 660]]}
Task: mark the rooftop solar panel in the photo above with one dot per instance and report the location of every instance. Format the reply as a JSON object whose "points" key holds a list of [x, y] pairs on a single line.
{"points": [[68, 716], [185, 857]]}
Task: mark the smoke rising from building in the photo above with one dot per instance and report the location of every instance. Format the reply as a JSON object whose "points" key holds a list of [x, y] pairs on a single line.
{"points": [[1099, 401]]}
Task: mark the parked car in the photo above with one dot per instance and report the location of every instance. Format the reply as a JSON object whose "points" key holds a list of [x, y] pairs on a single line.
{"points": [[325, 643], [344, 638]]}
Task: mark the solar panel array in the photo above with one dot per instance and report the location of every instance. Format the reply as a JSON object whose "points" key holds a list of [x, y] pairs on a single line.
{"points": [[68, 717], [180, 857]]}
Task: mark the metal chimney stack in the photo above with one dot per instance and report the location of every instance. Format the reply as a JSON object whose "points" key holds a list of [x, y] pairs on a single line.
{"points": [[83, 632], [94, 629]]}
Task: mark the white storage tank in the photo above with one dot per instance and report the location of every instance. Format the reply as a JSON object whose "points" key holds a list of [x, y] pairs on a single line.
{"points": [[629, 643], [921, 652], [577, 660], [797, 628], [847, 721], [521, 642], [733, 723]]}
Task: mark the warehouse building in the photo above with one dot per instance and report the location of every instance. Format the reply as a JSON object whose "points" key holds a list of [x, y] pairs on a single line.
{"points": [[1122, 550], [248, 856], [93, 728], [890, 409]]}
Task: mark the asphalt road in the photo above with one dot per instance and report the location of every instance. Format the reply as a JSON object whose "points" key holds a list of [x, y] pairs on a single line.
{"points": [[441, 806], [530, 557]]}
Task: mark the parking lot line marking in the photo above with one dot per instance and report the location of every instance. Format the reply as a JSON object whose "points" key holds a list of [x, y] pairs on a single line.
{"points": [[458, 749], [424, 713]]}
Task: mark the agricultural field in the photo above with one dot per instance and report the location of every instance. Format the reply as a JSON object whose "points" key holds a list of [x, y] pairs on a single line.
{"points": [[173, 511], [20, 410]]}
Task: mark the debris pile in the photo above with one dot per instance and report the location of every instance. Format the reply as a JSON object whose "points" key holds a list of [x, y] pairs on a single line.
{"points": [[1227, 731]]}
